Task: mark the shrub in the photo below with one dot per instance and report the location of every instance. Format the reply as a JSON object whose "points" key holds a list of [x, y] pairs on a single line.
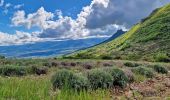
{"points": [[11, 70], [48, 64], [64, 64], [39, 70], [143, 71], [162, 57], [79, 82], [130, 64], [2, 57], [107, 64], [120, 79], [87, 66], [160, 69], [99, 79], [106, 57], [73, 64], [67, 79], [61, 78], [129, 75]]}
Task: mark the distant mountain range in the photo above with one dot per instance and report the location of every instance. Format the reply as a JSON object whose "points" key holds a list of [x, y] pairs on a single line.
{"points": [[117, 34], [148, 40], [54, 48], [48, 49]]}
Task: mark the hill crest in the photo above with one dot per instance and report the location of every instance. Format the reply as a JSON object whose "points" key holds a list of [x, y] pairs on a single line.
{"points": [[148, 40]]}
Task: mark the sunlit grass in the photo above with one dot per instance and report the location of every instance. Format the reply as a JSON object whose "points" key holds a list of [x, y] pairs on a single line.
{"points": [[39, 88]]}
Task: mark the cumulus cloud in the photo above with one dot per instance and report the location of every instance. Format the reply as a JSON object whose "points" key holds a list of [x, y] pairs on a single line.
{"points": [[121, 12], [41, 18], [100, 18], [18, 38]]}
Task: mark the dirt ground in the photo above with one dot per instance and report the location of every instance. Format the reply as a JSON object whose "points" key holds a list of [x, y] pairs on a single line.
{"points": [[157, 88]]}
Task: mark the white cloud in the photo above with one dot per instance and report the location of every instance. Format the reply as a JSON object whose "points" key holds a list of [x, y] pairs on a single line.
{"points": [[6, 8], [100, 18], [18, 6], [39, 18], [17, 38], [121, 12], [63, 27]]}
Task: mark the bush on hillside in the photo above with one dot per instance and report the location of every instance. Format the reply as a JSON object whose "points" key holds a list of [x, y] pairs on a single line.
{"points": [[130, 64], [99, 79], [120, 79], [162, 57], [106, 57], [49, 64], [39, 70], [2, 57], [160, 69], [11, 70], [129, 74], [67, 79], [143, 71], [87, 65], [79, 82]]}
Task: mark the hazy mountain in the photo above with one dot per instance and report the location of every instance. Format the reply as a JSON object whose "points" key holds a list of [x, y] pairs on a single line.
{"points": [[48, 49]]}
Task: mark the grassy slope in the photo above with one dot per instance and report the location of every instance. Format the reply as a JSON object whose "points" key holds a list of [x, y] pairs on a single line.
{"points": [[144, 41]]}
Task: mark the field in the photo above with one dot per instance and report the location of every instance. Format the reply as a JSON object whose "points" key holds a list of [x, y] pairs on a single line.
{"points": [[37, 85]]}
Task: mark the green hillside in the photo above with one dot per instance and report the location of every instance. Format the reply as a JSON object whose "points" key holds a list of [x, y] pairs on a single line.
{"points": [[148, 40]]}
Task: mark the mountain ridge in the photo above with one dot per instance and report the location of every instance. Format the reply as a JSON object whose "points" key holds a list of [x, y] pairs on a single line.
{"points": [[147, 40]]}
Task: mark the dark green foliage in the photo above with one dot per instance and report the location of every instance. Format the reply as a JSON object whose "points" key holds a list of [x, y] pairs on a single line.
{"points": [[130, 64], [49, 64], [143, 71], [2, 57], [106, 57], [39, 70], [79, 82], [61, 78], [67, 79], [162, 57], [88, 66], [11, 70], [160, 69], [99, 79], [120, 79]]}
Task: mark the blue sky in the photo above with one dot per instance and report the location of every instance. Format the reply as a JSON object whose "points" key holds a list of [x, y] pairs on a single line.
{"points": [[68, 7], [30, 21]]}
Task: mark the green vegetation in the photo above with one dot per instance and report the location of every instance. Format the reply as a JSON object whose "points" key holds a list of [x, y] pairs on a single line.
{"points": [[96, 79], [120, 79], [75, 79], [13, 70], [67, 79], [2, 57], [143, 71], [39, 88], [130, 64], [70, 79], [100, 79], [160, 69], [162, 57], [148, 40]]}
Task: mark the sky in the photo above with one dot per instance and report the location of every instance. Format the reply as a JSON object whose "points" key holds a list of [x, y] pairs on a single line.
{"points": [[31, 21]]}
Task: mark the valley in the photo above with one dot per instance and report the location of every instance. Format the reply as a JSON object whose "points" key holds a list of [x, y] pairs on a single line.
{"points": [[130, 65]]}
